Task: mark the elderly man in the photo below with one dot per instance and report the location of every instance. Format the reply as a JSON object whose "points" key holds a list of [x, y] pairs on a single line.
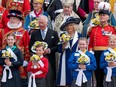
{"points": [[99, 36], [50, 37], [67, 12], [14, 25], [93, 18]]}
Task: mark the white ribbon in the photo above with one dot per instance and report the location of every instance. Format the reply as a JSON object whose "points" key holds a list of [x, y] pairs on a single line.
{"points": [[112, 51], [33, 76], [12, 53], [63, 70], [74, 39], [5, 74], [109, 74], [81, 78]]}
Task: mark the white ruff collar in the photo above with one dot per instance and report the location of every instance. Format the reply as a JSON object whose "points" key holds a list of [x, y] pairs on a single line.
{"points": [[12, 27]]}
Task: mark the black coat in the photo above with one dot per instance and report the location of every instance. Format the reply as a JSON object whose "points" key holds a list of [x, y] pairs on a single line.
{"points": [[16, 80], [51, 39]]}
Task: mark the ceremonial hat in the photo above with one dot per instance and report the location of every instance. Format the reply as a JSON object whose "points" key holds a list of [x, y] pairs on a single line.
{"points": [[15, 13], [104, 8], [40, 1], [69, 21]]}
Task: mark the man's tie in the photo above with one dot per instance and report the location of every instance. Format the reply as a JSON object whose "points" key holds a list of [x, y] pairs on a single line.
{"points": [[43, 34]]}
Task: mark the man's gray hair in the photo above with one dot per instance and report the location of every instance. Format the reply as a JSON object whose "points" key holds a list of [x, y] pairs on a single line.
{"points": [[43, 17]]}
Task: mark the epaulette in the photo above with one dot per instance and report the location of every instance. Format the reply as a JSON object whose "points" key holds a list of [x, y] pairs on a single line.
{"points": [[90, 29]]}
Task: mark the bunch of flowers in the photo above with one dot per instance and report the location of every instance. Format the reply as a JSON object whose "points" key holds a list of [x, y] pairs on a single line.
{"points": [[34, 24], [34, 58], [110, 57], [96, 20], [6, 54], [64, 38], [83, 60]]}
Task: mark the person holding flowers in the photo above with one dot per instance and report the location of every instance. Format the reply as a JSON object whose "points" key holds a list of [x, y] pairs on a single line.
{"points": [[108, 63], [68, 44], [82, 64], [10, 59], [38, 65], [31, 20]]}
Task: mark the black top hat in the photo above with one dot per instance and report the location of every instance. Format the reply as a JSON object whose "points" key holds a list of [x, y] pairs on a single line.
{"points": [[102, 11], [69, 21], [15, 13]]}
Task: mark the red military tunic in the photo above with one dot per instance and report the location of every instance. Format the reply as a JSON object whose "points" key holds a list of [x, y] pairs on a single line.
{"points": [[22, 5], [99, 37], [22, 38], [3, 17]]}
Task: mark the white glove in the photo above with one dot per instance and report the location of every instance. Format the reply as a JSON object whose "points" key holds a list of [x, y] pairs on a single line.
{"points": [[25, 63]]}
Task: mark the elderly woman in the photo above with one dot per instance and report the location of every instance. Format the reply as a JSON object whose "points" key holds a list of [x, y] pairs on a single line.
{"points": [[66, 48]]}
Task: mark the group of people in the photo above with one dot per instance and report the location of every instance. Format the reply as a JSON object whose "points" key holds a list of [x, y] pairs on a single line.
{"points": [[54, 47]]}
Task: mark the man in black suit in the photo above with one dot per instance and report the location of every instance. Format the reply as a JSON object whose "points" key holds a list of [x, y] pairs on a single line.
{"points": [[50, 37]]}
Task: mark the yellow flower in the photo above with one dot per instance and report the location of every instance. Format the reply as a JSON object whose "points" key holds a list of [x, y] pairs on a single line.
{"points": [[6, 54], [34, 57], [110, 57], [34, 24], [64, 37], [96, 20], [82, 59]]}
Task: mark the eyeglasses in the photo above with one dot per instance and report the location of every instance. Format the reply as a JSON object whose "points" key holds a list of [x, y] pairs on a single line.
{"points": [[36, 3], [97, 2]]}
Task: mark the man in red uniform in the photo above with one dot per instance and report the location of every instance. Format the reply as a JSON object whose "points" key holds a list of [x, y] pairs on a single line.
{"points": [[22, 5], [14, 25], [99, 36]]}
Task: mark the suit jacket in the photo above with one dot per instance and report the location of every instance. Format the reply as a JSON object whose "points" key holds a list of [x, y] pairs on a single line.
{"points": [[51, 39]]}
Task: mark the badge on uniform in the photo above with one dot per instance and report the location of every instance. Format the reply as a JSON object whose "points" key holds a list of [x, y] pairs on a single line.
{"points": [[107, 33], [20, 1], [18, 34]]}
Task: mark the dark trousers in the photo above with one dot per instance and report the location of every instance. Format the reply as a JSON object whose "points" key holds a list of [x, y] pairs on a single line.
{"points": [[40, 82], [99, 74], [87, 84], [24, 82], [50, 82]]}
